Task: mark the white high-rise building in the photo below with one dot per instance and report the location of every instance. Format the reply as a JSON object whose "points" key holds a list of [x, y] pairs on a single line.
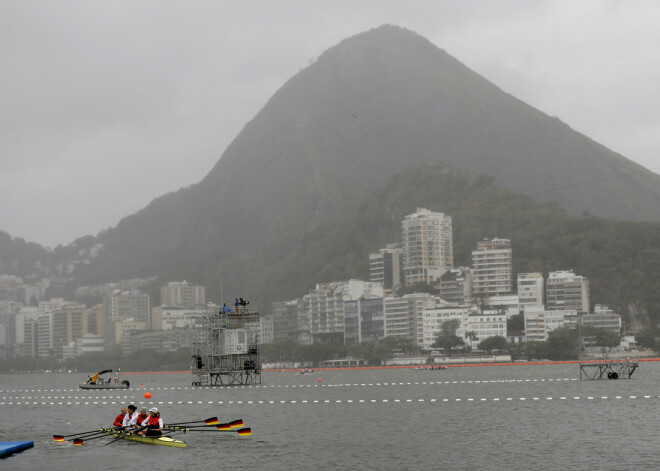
{"points": [[45, 334], [530, 288], [489, 323], [266, 329], [399, 314], [567, 291], [182, 294], [125, 307], [433, 318], [492, 269], [428, 249], [324, 307], [403, 317], [177, 318], [539, 322], [603, 318]]}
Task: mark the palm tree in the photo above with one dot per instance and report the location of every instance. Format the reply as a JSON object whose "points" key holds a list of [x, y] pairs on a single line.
{"points": [[471, 336]]}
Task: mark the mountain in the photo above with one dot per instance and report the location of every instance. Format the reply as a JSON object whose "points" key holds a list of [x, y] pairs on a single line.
{"points": [[328, 140]]}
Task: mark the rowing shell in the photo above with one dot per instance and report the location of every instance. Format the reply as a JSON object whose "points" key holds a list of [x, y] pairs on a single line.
{"points": [[163, 440]]}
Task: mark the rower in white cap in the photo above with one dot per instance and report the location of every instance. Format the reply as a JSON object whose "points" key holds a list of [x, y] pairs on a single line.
{"points": [[153, 424]]}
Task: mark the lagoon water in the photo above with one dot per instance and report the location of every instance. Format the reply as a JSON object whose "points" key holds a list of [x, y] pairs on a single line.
{"points": [[522, 417]]}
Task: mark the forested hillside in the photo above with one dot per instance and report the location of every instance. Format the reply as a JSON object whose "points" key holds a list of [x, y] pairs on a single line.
{"points": [[621, 259]]}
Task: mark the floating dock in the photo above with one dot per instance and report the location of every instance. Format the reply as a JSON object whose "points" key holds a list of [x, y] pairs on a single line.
{"points": [[608, 369], [9, 448]]}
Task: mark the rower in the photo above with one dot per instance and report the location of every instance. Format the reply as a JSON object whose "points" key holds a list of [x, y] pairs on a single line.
{"points": [[119, 420], [141, 416], [153, 424], [130, 419]]}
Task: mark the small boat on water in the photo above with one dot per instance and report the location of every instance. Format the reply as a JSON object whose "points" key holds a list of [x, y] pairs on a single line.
{"points": [[106, 379], [162, 440]]}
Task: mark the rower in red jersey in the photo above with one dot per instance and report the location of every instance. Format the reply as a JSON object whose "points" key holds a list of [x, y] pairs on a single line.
{"points": [[153, 424], [142, 416], [119, 420]]}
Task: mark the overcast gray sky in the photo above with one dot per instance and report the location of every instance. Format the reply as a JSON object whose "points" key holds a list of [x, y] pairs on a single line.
{"points": [[106, 105]]}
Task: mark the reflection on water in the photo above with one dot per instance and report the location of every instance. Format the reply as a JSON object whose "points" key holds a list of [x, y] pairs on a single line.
{"points": [[499, 417]]}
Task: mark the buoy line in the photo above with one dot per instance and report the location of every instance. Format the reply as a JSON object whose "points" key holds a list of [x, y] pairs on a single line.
{"points": [[344, 401]]}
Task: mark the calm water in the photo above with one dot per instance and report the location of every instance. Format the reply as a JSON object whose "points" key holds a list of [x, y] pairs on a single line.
{"points": [[499, 417]]}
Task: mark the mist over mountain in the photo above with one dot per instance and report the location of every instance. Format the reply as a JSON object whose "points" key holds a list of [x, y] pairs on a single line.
{"points": [[334, 135]]}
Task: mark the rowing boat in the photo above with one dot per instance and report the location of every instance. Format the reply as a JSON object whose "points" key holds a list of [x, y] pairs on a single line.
{"points": [[162, 440]]}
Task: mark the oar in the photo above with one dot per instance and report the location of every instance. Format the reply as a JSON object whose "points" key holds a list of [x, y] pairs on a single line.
{"points": [[60, 438], [209, 421], [88, 436], [230, 425], [81, 441], [226, 426], [247, 431]]}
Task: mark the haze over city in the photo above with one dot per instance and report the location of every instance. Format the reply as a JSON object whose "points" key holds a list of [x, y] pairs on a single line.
{"points": [[109, 105]]}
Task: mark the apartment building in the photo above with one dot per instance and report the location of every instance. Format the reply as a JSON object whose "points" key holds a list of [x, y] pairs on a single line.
{"points": [[567, 291], [428, 249], [386, 267], [456, 285], [530, 288], [182, 294], [492, 269]]}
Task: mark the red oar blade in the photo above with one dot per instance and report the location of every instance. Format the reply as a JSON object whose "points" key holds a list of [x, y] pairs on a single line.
{"points": [[58, 438], [244, 432], [211, 421], [78, 441], [236, 423], [223, 427]]}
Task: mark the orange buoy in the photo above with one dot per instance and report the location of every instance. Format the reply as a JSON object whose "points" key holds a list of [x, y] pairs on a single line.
{"points": [[147, 395], [319, 380]]}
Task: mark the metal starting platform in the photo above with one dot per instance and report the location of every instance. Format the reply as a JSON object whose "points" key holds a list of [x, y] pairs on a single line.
{"points": [[608, 369], [225, 349]]}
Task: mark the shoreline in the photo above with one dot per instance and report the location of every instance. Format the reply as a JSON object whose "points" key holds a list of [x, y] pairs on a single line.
{"points": [[386, 367]]}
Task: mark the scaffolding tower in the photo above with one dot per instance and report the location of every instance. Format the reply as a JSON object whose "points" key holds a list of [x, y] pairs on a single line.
{"points": [[605, 368], [608, 369], [225, 349]]}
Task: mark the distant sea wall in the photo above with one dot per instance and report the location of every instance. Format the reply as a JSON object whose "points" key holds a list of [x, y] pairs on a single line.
{"points": [[441, 360]]}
